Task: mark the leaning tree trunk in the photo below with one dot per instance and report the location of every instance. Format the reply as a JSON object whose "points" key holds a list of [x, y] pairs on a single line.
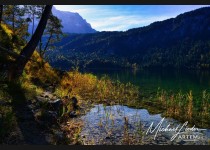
{"points": [[28, 50], [46, 46], [1, 13]]}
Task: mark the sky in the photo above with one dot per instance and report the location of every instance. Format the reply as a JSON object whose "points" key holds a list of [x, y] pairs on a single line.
{"points": [[124, 17]]}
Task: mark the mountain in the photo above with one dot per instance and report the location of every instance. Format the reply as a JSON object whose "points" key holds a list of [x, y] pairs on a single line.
{"points": [[181, 42], [72, 22]]}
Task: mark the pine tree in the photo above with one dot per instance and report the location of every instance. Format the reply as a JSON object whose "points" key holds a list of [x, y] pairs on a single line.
{"points": [[53, 32], [33, 12], [13, 16]]}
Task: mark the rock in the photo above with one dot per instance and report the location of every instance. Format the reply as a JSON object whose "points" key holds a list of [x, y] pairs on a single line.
{"points": [[107, 102], [40, 99], [49, 138], [51, 88], [74, 102], [55, 105], [3, 103], [181, 142], [47, 95], [46, 117], [72, 114], [54, 98], [107, 138], [59, 135], [51, 116]]}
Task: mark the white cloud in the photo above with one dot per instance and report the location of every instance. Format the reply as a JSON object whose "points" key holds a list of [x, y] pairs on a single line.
{"points": [[122, 23], [121, 18]]}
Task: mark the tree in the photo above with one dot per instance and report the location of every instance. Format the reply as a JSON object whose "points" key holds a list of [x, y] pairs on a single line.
{"points": [[13, 16], [53, 31], [34, 12], [17, 69], [1, 13]]}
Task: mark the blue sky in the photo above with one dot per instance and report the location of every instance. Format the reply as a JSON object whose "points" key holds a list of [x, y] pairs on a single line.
{"points": [[124, 17]]}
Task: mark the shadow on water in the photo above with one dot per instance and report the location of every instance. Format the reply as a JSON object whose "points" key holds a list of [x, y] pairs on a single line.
{"points": [[25, 119]]}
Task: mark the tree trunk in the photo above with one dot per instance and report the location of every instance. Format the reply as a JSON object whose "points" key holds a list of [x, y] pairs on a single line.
{"points": [[13, 21], [29, 49], [33, 25], [1, 13], [47, 44], [40, 46], [13, 25]]}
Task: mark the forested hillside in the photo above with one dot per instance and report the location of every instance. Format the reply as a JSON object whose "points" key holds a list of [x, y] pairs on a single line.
{"points": [[181, 42]]}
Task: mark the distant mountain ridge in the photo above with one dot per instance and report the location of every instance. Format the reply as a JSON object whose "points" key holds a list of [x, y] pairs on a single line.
{"points": [[181, 42], [72, 22]]}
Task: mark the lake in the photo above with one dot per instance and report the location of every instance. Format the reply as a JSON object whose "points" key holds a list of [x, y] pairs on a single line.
{"points": [[170, 80], [106, 124]]}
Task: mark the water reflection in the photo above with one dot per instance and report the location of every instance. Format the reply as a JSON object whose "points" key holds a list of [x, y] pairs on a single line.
{"points": [[150, 80], [123, 125]]}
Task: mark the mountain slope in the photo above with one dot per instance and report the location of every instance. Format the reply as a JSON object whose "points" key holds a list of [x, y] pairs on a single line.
{"points": [[181, 42], [72, 22]]}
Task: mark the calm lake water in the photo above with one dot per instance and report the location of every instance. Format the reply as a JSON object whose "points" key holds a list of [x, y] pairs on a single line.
{"points": [[149, 80], [106, 124]]}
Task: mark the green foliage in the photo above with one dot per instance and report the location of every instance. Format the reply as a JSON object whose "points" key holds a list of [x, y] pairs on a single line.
{"points": [[52, 34], [5, 36], [33, 12], [13, 16]]}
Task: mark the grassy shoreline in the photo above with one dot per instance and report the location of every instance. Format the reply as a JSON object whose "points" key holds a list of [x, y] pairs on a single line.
{"points": [[90, 90]]}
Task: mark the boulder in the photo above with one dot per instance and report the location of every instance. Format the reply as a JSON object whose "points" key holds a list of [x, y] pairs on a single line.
{"points": [[55, 105], [40, 100], [47, 95], [46, 118], [72, 114], [59, 135], [74, 102]]}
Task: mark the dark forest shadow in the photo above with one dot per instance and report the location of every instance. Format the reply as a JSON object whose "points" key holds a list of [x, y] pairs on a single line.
{"points": [[25, 119]]}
